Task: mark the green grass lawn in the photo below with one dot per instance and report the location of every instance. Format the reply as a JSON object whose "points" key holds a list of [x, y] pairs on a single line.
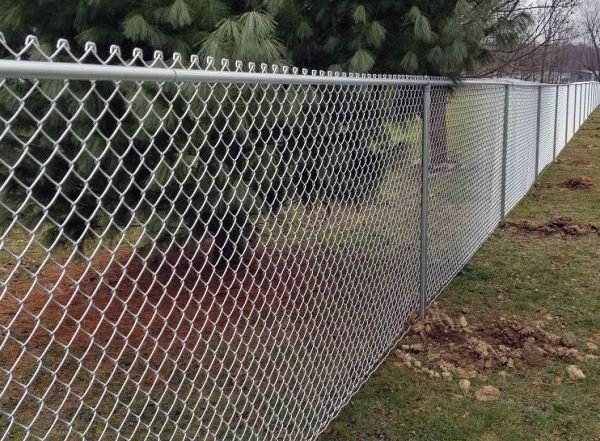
{"points": [[554, 278]]}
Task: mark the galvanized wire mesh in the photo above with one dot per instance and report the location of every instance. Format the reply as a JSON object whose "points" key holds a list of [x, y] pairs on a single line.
{"points": [[522, 138], [571, 112], [548, 110], [464, 178], [561, 115], [225, 252]]}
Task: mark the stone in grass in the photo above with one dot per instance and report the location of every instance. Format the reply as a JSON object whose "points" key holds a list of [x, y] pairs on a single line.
{"points": [[592, 346], [464, 385], [568, 340], [575, 373], [487, 393]]}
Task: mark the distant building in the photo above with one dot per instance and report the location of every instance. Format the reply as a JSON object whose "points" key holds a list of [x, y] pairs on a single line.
{"points": [[585, 75]]}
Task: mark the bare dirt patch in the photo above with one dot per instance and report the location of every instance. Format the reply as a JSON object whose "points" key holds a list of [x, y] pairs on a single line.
{"points": [[542, 185], [578, 183], [443, 346], [557, 225], [122, 307], [579, 162]]}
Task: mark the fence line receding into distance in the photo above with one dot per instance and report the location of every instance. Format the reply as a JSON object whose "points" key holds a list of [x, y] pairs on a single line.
{"points": [[222, 251]]}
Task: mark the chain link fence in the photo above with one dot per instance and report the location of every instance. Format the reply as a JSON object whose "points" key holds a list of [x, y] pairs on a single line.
{"points": [[223, 251]]}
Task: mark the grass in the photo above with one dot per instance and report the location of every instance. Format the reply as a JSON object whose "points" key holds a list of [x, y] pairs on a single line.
{"points": [[513, 273]]}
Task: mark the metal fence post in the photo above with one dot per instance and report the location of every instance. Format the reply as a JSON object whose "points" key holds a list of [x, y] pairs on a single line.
{"points": [[587, 100], [581, 95], [425, 159], [584, 111], [585, 105], [581, 101], [504, 153], [575, 110], [537, 136], [555, 124], [567, 116]]}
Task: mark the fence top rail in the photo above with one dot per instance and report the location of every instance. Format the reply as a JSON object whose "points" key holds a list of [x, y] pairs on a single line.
{"points": [[34, 60], [92, 72]]}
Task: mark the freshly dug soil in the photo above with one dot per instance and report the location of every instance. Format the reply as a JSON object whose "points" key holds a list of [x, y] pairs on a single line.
{"points": [[578, 183], [558, 225], [443, 346]]}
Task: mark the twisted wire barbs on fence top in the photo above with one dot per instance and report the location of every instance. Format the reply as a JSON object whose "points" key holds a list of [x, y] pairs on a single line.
{"points": [[227, 251], [32, 49]]}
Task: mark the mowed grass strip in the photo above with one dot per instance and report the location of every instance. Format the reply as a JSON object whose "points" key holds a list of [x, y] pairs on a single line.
{"points": [[542, 269]]}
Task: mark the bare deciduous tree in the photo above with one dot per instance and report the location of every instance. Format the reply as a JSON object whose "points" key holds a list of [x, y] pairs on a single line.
{"points": [[590, 30], [537, 55]]}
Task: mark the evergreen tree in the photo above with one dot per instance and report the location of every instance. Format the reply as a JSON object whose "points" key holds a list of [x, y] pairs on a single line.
{"points": [[447, 38], [179, 171], [173, 159], [168, 25]]}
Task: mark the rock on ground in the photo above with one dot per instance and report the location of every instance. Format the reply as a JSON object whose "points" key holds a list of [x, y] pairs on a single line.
{"points": [[464, 384], [487, 393], [575, 373]]}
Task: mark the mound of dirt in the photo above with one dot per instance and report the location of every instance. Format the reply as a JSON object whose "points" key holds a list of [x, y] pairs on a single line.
{"points": [[578, 183], [557, 225], [441, 346]]}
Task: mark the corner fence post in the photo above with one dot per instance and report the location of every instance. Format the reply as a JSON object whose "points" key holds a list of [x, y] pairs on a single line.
{"points": [[555, 124], [504, 153], [537, 136], [425, 161]]}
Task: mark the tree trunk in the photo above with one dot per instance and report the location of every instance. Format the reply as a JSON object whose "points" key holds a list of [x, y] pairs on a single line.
{"points": [[543, 67], [439, 131]]}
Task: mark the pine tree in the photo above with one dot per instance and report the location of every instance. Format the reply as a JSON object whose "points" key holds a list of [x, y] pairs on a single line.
{"points": [[201, 175], [156, 158], [447, 38]]}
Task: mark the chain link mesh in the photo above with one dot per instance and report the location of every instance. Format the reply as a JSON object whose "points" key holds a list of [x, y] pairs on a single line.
{"points": [[229, 259], [571, 113], [520, 161], [466, 155], [548, 109], [561, 123]]}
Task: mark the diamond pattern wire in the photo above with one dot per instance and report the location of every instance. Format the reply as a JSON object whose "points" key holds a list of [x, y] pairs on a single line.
{"points": [[465, 176], [520, 163], [571, 113], [561, 127], [577, 116], [548, 107], [221, 251]]}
